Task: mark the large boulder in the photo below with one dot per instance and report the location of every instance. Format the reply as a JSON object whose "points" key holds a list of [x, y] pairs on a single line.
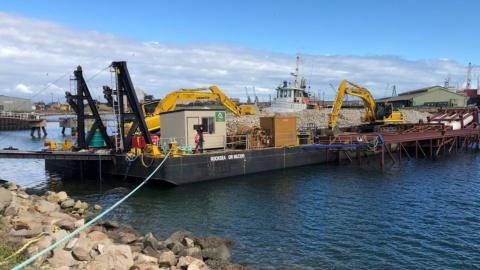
{"points": [[118, 257], [178, 236], [66, 224], [61, 258], [198, 265], [45, 207], [61, 215], [71, 243], [219, 253], [62, 196], [68, 203], [195, 252], [97, 236], [11, 209], [142, 258], [213, 241], [110, 224], [22, 222], [150, 240], [77, 205], [148, 250], [32, 231], [176, 247], [5, 199], [44, 242], [23, 195], [167, 259], [79, 223], [127, 237], [81, 249], [51, 197], [12, 186], [144, 262], [188, 242], [191, 263]]}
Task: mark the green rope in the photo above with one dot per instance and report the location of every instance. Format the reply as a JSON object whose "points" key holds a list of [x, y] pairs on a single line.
{"points": [[88, 224]]}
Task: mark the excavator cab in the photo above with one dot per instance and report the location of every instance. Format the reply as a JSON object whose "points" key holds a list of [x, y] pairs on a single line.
{"points": [[386, 113], [383, 110]]}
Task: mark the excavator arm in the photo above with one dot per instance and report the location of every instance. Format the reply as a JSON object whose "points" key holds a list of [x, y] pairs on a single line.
{"points": [[352, 89], [169, 103], [349, 88], [228, 103]]}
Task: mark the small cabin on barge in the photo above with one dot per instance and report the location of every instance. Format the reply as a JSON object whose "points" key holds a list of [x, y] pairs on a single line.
{"points": [[181, 126]]}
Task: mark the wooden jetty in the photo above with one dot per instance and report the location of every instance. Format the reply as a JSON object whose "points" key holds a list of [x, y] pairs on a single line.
{"points": [[22, 121]]}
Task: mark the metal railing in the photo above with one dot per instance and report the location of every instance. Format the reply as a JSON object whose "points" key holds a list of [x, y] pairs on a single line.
{"points": [[238, 142], [21, 116]]}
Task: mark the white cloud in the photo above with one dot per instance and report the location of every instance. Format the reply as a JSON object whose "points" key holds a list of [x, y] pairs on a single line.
{"points": [[35, 53], [264, 90], [23, 88]]}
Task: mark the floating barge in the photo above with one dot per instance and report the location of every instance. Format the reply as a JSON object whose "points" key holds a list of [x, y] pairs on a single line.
{"points": [[447, 132], [231, 163]]}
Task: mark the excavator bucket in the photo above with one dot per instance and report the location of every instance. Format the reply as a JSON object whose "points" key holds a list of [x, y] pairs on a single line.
{"points": [[249, 109]]}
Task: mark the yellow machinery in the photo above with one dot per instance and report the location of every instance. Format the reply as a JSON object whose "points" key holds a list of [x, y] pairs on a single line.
{"points": [[51, 145], [211, 93], [64, 108], [376, 113], [66, 146]]}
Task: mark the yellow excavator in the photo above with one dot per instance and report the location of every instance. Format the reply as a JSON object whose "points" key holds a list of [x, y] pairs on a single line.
{"points": [[376, 113], [212, 93]]}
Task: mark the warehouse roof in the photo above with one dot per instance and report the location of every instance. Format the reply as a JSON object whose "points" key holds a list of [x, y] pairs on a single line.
{"points": [[408, 95], [10, 97]]}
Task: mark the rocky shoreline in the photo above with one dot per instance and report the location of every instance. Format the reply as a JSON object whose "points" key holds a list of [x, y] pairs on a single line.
{"points": [[106, 245]]}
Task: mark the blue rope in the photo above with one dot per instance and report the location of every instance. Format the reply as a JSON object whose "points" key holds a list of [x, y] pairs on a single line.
{"points": [[332, 146], [88, 224], [341, 145]]}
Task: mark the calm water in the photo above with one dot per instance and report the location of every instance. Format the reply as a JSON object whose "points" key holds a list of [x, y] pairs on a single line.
{"points": [[425, 215]]}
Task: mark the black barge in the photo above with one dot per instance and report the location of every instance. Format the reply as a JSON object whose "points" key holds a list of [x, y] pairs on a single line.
{"points": [[197, 167]]}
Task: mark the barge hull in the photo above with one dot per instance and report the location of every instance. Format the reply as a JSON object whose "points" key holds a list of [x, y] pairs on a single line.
{"points": [[203, 167]]}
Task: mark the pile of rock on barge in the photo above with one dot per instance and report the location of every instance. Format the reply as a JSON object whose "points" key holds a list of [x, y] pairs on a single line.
{"points": [[106, 245]]}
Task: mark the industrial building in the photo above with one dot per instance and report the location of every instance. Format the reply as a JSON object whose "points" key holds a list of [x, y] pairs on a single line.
{"points": [[434, 96], [15, 104]]}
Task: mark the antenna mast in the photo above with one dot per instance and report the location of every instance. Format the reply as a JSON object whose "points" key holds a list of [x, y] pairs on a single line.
{"points": [[469, 76], [255, 97], [446, 84], [296, 73], [248, 96]]}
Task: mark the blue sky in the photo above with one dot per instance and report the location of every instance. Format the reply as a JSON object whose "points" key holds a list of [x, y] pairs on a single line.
{"points": [[408, 29], [237, 44]]}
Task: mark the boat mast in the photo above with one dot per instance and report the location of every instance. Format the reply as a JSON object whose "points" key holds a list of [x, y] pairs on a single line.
{"points": [[296, 73]]}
